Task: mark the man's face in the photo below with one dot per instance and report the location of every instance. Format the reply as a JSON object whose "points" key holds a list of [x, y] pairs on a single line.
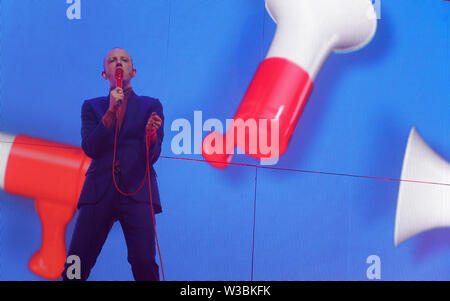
{"points": [[118, 58]]}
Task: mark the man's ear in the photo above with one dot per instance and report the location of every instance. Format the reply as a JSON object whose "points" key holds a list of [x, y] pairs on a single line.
{"points": [[133, 74], [104, 74]]}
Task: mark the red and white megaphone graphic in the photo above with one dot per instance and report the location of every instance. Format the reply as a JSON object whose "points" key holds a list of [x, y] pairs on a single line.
{"points": [[307, 32], [52, 174], [422, 206]]}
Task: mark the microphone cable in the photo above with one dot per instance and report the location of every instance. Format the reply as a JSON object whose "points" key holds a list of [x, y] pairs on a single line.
{"points": [[148, 136]]}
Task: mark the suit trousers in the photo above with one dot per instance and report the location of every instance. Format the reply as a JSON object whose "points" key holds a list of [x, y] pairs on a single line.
{"points": [[94, 223]]}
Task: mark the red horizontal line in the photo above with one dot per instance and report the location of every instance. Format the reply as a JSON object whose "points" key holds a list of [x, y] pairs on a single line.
{"points": [[264, 167], [309, 171]]}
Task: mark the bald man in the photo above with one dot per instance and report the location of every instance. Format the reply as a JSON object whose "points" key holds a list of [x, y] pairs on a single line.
{"points": [[121, 193]]}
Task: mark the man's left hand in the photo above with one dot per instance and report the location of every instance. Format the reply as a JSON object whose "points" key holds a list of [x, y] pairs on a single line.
{"points": [[153, 123]]}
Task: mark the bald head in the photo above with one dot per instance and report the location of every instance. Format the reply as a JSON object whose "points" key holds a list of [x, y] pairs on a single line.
{"points": [[118, 58], [113, 52]]}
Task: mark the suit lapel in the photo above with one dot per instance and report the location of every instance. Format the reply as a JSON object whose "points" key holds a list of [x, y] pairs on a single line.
{"points": [[105, 104], [131, 111]]}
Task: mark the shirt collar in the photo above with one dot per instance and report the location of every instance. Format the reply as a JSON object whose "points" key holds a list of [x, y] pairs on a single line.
{"points": [[127, 91]]}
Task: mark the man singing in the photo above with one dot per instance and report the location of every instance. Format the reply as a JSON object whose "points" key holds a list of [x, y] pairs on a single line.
{"points": [[121, 192]]}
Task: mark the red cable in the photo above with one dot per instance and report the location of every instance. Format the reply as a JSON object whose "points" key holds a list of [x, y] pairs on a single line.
{"points": [[114, 163], [147, 172], [147, 141]]}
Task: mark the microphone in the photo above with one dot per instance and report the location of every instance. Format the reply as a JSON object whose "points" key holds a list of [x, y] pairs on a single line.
{"points": [[119, 77]]}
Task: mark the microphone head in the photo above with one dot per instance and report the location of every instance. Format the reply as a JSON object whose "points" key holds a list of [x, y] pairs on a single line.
{"points": [[119, 73], [119, 76]]}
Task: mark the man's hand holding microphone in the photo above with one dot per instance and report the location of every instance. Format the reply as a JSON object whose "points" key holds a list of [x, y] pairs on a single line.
{"points": [[115, 100]]}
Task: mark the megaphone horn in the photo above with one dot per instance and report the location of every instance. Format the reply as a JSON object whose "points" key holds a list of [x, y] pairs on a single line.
{"points": [[424, 194]]}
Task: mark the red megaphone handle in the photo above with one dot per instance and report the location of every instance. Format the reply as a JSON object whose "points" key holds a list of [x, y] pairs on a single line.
{"points": [[49, 261]]}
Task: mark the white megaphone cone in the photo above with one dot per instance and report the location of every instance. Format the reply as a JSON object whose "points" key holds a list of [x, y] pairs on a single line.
{"points": [[422, 206], [308, 31]]}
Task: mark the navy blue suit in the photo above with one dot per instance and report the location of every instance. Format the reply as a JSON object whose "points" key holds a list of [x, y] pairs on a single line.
{"points": [[100, 204]]}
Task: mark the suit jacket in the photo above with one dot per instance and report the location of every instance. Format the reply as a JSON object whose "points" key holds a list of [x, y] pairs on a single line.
{"points": [[98, 144]]}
